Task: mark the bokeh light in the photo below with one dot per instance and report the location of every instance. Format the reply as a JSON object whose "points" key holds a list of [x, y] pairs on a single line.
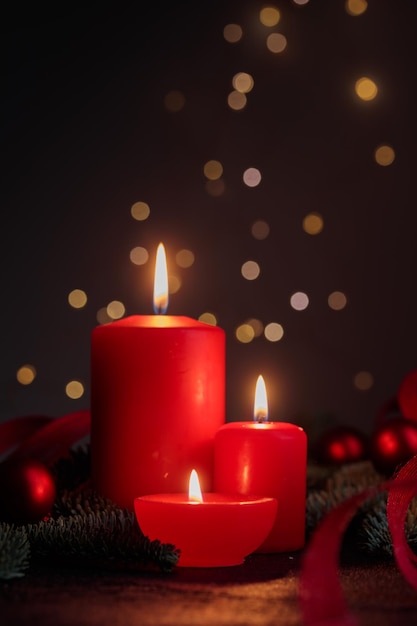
{"points": [[174, 101], [77, 298], [250, 270], [174, 283], [232, 33], [74, 389], [245, 333], [276, 42], [269, 16], [384, 155], [363, 380], [273, 332], [299, 301], [103, 317], [257, 326], [139, 255], [26, 374], [252, 177], [116, 309], [243, 82], [356, 7], [337, 300], [213, 170], [236, 100], [366, 89], [313, 223], [300, 2], [260, 229], [215, 188], [140, 211], [208, 318], [184, 258]]}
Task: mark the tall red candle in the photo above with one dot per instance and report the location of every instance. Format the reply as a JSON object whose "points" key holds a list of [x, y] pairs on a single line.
{"points": [[157, 400], [268, 459]]}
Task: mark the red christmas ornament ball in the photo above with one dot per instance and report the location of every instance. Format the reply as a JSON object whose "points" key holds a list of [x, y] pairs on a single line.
{"points": [[27, 491], [407, 396], [393, 443], [340, 445]]}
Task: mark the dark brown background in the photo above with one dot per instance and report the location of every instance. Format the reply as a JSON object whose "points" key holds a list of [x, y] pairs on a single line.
{"points": [[85, 135]]}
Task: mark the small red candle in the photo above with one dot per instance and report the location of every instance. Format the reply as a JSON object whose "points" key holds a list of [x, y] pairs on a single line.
{"points": [[266, 459], [214, 530], [157, 400]]}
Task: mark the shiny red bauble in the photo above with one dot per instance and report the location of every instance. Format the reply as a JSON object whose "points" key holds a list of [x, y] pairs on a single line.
{"points": [[341, 445], [27, 491], [393, 443], [407, 396]]}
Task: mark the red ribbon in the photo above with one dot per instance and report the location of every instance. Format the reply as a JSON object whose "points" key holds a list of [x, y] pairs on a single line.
{"points": [[321, 597], [44, 438]]}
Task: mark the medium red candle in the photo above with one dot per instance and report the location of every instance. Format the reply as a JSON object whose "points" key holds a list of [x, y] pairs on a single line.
{"points": [[157, 400], [210, 530], [266, 459]]}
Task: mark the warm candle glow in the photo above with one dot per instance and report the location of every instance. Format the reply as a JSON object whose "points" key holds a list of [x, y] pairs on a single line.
{"points": [[194, 490], [160, 290], [260, 411]]}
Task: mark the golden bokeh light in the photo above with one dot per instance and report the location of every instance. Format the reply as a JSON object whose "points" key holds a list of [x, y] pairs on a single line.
{"points": [[313, 223], [174, 283], [174, 101], [356, 7], [337, 300], [363, 380], [276, 42], [245, 333], [140, 211], [208, 318], [273, 332], [139, 255], [299, 301], [384, 155], [215, 188], [232, 33], [213, 170], [260, 229], [252, 177], [269, 16], [74, 389], [184, 258], [250, 270], [103, 317], [116, 310], [257, 326], [366, 89], [26, 374], [236, 100], [77, 298], [243, 82]]}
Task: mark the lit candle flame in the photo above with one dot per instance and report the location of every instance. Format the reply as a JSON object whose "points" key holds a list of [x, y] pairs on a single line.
{"points": [[160, 288], [194, 490], [260, 410]]}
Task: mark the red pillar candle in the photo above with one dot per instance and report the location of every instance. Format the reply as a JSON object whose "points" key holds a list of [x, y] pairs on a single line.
{"points": [[157, 400], [265, 458]]}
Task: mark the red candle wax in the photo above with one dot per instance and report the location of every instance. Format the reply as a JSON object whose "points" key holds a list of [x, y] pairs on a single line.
{"points": [[157, 400], [266, 459], [216, 530]]}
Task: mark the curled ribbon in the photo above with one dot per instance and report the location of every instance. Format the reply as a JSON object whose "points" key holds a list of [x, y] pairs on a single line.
{"points": [[42, 437], [321, 597]]}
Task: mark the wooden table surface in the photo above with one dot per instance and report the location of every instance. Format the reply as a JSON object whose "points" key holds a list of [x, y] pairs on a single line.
{"points": [[262, 592]]}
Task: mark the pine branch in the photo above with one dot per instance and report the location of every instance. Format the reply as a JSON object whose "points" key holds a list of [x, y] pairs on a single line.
{"points": [[14, 552], [109, 537]]}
